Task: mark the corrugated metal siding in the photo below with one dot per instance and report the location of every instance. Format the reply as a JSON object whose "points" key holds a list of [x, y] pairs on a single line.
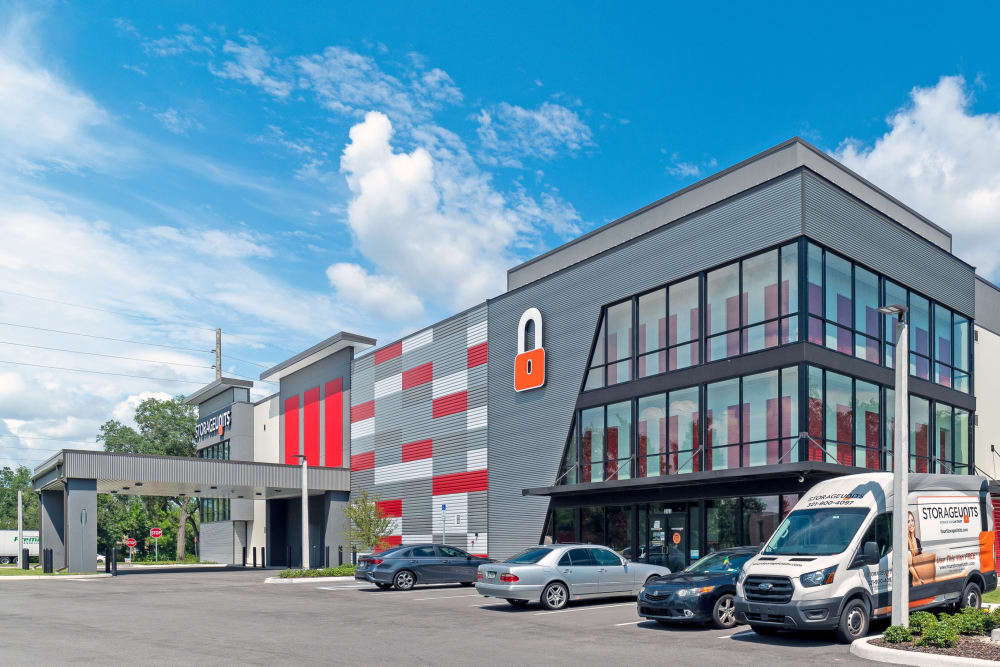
{"points": [[987, 306], [839, 221], [176, 470], [527, 430], [409, 381]]}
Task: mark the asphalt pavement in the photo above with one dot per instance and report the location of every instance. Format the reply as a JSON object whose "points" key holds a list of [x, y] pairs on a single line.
{"points": [[232, 617]]}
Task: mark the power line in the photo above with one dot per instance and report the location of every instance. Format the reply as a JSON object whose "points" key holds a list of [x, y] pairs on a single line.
{"points": [[247, 377], [98, 354], [244, 360], [81, 370], [42, 437], [118, 340]]}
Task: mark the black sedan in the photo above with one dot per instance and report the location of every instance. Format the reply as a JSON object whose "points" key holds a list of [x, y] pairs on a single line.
{"points": [[404, 567], [701, 593]]}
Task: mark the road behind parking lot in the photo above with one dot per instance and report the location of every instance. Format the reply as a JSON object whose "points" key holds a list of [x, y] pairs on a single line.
{"points": [[231, 616]]}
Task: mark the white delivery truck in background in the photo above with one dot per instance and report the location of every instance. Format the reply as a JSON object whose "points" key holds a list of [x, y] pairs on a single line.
{"points": [[828, 565], [10, 550]]}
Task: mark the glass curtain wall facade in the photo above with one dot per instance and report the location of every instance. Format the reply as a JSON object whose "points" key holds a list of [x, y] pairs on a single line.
{"points": [[214, 509]]}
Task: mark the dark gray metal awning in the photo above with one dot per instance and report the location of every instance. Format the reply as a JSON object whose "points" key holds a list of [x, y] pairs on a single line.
{"points": [[147, 475], [759, 480]]}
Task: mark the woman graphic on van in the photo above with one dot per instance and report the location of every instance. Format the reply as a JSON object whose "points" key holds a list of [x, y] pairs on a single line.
{"points": [[913, 542]]}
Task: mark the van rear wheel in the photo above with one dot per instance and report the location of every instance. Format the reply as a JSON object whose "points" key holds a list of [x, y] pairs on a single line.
{"points": [[854, 621], [971, 597]]}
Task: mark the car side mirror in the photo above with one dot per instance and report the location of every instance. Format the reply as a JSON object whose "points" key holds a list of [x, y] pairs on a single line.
{"points": [[870, 553], [468, 557]]}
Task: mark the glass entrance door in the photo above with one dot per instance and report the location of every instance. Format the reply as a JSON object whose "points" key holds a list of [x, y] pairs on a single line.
{"points": [[676, 541]]}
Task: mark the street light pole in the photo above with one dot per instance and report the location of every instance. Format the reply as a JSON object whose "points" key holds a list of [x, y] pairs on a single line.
{"points": [[305, 515], [900, 471]]}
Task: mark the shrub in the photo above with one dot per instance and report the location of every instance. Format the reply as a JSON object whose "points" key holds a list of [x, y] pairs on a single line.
{"points": [[896, 634], [921, 621], [345, 570], [969, 621], [942, 635], [992, 619]]}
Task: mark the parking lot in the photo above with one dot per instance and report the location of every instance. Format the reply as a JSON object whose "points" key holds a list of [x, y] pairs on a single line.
{"points": [[231, 616]]}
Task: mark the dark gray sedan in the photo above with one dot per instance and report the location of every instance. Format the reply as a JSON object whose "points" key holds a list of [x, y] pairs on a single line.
{"points": [[404, 567]]}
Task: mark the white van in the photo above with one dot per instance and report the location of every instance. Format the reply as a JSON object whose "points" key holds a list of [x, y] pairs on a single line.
{"points": [[828, 565]]}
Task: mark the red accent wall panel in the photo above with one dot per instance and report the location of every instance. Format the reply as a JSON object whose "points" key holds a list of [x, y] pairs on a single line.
{"points": [[362, 411], [388, 352], [421, 449], [333, 418], [292, 430], [389, 542], [450, 404], [365, 461], [310, 416], [392, 509], [459, 482], [418, 375], [476, 355]]}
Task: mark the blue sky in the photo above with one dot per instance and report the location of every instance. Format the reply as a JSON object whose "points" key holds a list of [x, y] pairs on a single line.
{"points": [[288, 172]]}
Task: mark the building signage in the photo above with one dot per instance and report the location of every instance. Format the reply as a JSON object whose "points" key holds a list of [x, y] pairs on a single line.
{"points": [[529, 365], [214, 425]]}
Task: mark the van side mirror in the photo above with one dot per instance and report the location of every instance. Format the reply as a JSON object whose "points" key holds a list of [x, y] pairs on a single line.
{"points": [[870, 552]]}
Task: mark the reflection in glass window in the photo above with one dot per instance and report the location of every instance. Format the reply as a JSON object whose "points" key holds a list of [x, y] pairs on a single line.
{"points": [[789, 415], [866, 425], [942, 345], [894, 296], [942, 444], [839, 415], [814, 273], [652, 333], [789, 292], [960, 336], [569, 471], [619, 343], [760, 301], [564, 525], [919, 432], [722, 518], [866, 316], [961, 461], [618, 440], [723, 287], [591, 444], [684, 325], [760, 518], [684, 430], [592, 525], [651, 445], [839, 305], [920, 365], [722, 417], [760, 418]]}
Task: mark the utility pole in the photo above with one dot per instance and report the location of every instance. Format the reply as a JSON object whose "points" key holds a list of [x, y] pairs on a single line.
{"points": [[218, 354], [305, 515], [20, 530]]}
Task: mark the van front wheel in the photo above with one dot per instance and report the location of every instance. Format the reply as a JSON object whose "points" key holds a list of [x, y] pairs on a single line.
{"points": [[853, 622]]}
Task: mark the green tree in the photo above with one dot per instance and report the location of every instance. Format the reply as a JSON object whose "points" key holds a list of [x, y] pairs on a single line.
{"points": [[367, 527], [165, 428], [10, 481]]}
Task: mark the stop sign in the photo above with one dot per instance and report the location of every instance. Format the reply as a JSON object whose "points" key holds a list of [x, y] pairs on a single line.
{"points": [[130, 542], [155, 532]]}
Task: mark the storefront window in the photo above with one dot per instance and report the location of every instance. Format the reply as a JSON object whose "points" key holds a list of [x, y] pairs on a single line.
{"points": [[866, 426], [683, 326], [592, 525], [760, 419], [942, 443], [591, 444], [839, 415], [564, 525], [961, 466], [722, 524], [789, 415], [651, 446], [722, 418], [618, 440], [919, 431], [619, 535], [761, 515]]}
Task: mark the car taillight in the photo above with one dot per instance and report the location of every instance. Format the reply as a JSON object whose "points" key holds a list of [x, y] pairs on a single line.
{"points": [[375, 561], [508, 578], [479, 576]]}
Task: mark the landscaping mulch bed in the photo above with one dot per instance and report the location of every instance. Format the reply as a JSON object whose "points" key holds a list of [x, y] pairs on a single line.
{"points": [[967, 647]]}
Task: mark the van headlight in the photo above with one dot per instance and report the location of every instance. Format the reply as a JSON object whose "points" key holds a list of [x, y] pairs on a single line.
{"points": [[818, 578]]}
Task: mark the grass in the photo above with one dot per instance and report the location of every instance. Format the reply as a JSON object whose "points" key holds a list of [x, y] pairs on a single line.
{"points": [[992, 596], [18, 572], [339, 571]]}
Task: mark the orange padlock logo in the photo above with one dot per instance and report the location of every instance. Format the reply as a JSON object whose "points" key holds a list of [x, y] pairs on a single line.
{"points": [[529, 365]]}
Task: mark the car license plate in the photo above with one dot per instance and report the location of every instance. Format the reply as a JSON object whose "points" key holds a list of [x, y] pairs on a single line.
{"points": [[491, 575]]}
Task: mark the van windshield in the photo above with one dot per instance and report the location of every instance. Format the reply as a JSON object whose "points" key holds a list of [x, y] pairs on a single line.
{"points": [[816, 532]]}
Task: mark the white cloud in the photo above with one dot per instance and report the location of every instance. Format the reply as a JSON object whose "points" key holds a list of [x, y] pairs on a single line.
{"points": [[382, 296], [942, 159], [254, 65], [187, 40], [44, 121], [509, 133], [214, 242], [125, 410], [177, 122]]}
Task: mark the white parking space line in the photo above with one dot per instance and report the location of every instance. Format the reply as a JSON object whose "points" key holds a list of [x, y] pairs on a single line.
{"points": [[603, 606], [446, 597], [338, 588], [618, 625]]}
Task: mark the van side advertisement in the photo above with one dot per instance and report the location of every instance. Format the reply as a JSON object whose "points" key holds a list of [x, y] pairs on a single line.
{"points": [[943, 538]]}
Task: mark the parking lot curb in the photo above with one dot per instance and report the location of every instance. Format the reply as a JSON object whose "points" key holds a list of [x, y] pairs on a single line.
{"points": [[862, 649], [306, 580], [40, 577]]}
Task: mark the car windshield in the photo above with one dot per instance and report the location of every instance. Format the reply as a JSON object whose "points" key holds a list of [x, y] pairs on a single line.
{"points": [[719, 563], [816, 532], [532, 555]]}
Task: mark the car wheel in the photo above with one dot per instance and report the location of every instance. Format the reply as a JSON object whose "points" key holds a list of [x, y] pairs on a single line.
{"points": [[853, 622], [971, 597], [4, 560], [466, 583], [516, 603], [764, 630], [384, 587], [404, 580], [724, 612], [555, 596]]}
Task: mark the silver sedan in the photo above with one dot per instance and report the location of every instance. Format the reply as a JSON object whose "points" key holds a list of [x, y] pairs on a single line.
{"points": [[555, 574]]}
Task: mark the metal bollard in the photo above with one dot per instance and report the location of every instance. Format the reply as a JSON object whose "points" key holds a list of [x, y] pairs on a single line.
{"points": [[340, 555], [255, 556], [263, 556], [24, 559], [114, 561], [107, 561], [327, 556], [244, 556], [354, 556], [47, 561]]}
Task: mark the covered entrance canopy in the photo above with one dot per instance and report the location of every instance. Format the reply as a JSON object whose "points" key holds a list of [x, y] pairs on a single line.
{"points": [[69, 482]]}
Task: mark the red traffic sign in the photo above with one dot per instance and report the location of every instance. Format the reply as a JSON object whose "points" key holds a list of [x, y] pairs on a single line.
{"points": [[155, 532], [130, 542]]}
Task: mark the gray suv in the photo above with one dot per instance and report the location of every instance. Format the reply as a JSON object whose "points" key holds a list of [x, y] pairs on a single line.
{"points": [[404, 567], [555, 574]]}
